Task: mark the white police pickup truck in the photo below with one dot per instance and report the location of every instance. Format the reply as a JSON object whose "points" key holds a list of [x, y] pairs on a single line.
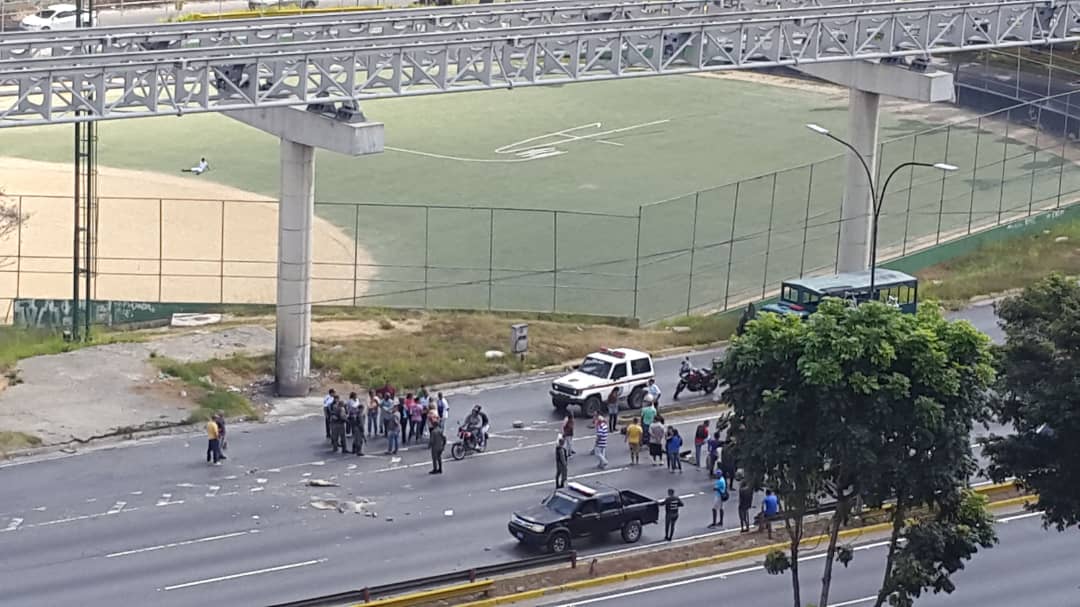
{"points": [[590, 385]]}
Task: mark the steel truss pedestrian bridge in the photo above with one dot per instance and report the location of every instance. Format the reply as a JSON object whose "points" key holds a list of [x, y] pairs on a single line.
{"points": [[179, 68]]}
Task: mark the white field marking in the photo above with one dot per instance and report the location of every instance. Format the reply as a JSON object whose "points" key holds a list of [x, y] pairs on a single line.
{"points": [[117, 507], [166, 500], [13, 524], [549, 481], [569, 136], [865, 599], [1017, 517], [715, 576], [244, 574], [201, 540], [480, 160]]}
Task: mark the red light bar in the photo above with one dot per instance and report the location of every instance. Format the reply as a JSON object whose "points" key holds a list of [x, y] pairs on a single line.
{"points": [[796, 307]]}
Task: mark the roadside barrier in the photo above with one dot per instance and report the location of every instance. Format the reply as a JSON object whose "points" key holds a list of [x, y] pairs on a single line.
{"points": [[380, 596]]}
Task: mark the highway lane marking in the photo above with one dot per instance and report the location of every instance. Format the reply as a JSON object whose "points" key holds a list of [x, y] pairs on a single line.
{"points": [[234, 576], [201, 540], [116, 508], [166, 500], [13, 524], [865, 599], [549, 481], [1017, 517], [663, 543], [70, 519]]}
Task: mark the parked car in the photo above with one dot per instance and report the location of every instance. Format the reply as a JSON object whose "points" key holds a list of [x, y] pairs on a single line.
{"points": [[590, 384], [262, 5], [55, 17], [580, 510]]}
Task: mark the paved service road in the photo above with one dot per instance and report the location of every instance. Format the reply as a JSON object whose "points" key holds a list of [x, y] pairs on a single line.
{"points": [[1031, 566], [151, 522]]}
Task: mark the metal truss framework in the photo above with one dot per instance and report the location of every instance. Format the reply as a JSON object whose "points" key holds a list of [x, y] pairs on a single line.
{"points": [[126, 72]]}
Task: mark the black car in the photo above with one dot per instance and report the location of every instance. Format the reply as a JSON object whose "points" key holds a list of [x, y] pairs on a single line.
{"points": [[580, 510]]}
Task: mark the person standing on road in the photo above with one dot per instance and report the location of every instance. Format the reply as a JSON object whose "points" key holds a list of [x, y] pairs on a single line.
{"points": [[213, 446], [356, 423], [339, 419], [720, 495], [613, 409], [600, 448], [372, 411], [393, 431], [701, 434], [674, 447], [568, 434], [672, 503], [746, 502], [648, 414], [403, 414], [437, 442], [386, 411], [657, 434], [416, 420], [328, 407], [562, 460], [634, 433], [714, 446], [443, 407], [654, 394], [219, 419]]}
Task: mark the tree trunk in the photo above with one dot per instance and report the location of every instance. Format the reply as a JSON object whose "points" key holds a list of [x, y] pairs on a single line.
{"points": [[795, 534], [830, 554], [898, 523]]}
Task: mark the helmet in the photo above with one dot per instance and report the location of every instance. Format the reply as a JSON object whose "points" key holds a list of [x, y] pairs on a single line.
{"points": [[476, 408]]}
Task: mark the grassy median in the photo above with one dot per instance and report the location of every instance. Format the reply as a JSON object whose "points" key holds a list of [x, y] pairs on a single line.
{"points": [[210, 395]]}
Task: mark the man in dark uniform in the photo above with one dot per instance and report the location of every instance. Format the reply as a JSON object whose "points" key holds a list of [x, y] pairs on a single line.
{"points": [[671, 513], [437, 442], [561, 461], [339, 416]]}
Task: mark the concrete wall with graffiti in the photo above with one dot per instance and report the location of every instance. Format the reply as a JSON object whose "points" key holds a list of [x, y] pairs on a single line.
{"points": [[56, 313]]}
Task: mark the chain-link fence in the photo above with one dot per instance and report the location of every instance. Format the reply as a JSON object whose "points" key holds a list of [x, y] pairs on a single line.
{"points": [[709, 250]]}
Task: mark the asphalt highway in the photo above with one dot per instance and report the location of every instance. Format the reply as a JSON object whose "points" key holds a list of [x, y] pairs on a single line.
{"points": [[1030, 566], [152, 522]]}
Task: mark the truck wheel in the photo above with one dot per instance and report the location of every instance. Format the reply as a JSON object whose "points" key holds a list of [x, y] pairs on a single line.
{"points": [[558, 542], [309, 4], [636, 398], [591, 407], [631, 531]]}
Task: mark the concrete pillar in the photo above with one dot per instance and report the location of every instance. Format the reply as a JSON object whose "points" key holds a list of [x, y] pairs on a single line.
{"points": [[295, 215], [856, 214]]}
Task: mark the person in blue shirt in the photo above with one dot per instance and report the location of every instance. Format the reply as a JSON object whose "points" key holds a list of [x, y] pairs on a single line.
{"points": [[720, 495], [674, 447], [770, 507]]}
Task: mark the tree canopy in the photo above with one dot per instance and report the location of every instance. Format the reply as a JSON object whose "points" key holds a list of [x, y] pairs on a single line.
{"points": [[1039, 396], [858, 402]]}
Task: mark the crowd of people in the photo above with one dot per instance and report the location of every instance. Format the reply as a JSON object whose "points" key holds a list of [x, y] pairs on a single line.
{"points": [[383, 413]]}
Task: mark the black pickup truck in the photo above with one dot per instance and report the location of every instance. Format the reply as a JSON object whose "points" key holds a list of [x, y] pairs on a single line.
{"points": [[580, 510]]}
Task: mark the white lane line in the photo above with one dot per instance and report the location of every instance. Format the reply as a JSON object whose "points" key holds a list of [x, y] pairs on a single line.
{"points": [[655, 544], [116, 508], [167, 500], [865, 599], [71, 519], [549, 481], [201, 540], [244, 574], [1018, 517], [13, 524]]}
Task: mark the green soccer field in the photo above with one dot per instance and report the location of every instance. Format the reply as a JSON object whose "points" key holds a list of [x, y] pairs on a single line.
{"points": [[595, 153]]}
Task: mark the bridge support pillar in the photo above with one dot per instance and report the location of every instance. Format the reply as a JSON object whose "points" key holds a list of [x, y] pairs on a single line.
{"points": [[301, 132], [868, 81]]}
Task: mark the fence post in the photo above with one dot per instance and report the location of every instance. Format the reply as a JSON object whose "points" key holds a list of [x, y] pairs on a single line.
{"points": [[693, 245], [18, 251], [974, 170], [637, 260], [768, 238], [427, 247], [1064, 143], [356, 253], [161, 247], [910, 187], [555, 262], [1004, 162], [1034, 157], [221, 262], [491, 254], [941, 196], [806, 219], [731, 245]]}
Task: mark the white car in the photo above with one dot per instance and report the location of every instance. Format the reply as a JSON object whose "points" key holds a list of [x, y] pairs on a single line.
{"points": [[262, 5], [589, 386], [55, 17]]}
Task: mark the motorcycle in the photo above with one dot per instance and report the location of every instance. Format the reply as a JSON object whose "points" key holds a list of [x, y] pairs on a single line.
{"points": [[697, 380], [468, 442]]}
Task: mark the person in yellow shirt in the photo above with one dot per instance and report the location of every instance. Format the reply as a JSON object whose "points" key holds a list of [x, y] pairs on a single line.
{"points": [[213, 449], [633, 438]]}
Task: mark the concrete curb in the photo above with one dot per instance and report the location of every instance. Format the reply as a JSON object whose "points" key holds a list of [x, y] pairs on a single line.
{"points": [[736, 555]]}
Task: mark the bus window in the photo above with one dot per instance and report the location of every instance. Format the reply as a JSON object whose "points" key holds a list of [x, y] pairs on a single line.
{"points": [[789, 294], [907, 294]]}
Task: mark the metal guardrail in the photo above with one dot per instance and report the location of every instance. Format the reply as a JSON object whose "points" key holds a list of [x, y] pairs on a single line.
{"points": [[274, 12], [369, 593]]}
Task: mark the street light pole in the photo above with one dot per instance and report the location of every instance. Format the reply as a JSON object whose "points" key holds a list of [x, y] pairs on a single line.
{"points": [[877, 199]]}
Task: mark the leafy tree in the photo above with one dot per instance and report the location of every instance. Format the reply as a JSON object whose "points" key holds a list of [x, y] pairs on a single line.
{"points": [[1039, 388], [857, 402]]}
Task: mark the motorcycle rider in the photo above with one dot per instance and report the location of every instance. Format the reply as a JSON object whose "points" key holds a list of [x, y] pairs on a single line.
{"points": [[477, 423], [685, 367]]}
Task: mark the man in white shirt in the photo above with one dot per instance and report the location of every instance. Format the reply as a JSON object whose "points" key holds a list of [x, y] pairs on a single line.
{"points": [[200, 168], [653, 395], [328, 405], [443, 407]]}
